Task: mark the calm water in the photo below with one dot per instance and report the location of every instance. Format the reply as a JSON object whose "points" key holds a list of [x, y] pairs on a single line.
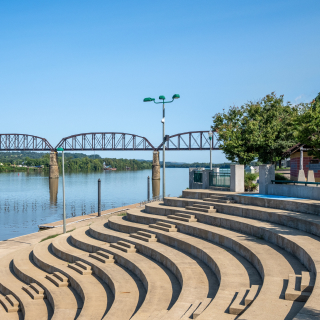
{"points": [[30, 199]]}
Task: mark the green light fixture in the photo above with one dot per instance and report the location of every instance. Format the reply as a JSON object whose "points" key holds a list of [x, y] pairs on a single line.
{"points": [[175, 96], [148, 99], [162, 98]]}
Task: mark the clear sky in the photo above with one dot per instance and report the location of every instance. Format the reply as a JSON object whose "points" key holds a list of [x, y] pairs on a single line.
{"points": [[74, 66]]}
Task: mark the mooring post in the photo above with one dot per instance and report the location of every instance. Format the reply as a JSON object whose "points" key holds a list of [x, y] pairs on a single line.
{"points": [[155, 166], [53, 166], [148, 188], [99, 198]]}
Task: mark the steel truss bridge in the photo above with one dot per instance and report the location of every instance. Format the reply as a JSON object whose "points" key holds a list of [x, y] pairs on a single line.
{"points": [[108, 141]]}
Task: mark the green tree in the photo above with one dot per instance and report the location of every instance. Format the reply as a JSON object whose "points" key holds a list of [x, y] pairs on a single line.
{"points": [[308, 126], [233, 131], [260, 130]]}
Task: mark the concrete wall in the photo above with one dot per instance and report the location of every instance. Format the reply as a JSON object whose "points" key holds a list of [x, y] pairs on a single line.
{"points": [[266, 174], [205, 179], [288, 190], [237, 178]]}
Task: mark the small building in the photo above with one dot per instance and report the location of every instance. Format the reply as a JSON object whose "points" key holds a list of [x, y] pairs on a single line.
{"points": [[299, 158]]}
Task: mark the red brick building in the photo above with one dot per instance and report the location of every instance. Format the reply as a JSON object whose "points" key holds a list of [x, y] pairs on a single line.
{"points": [[309, 163]]}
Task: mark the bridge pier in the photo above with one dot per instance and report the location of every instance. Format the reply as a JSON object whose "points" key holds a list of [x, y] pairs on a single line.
{"points": [[155, 166], [53, 166]]}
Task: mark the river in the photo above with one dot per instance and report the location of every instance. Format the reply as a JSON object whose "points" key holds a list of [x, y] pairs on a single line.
{"points": [[30, 199]]}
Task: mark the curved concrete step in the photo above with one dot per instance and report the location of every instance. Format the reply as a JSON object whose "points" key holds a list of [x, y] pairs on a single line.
{"points": [[66, 303], [96, 295], [158, 284], [296, 205], [273, 263], [304, 246], [297, 220], [13, 315], [125, 290], [194, 281], [232, 273], [11, 285]]}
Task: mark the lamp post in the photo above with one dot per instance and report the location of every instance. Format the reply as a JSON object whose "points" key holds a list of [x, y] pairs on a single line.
{"points": [[175, 96], [210, 134], [64, 200]]}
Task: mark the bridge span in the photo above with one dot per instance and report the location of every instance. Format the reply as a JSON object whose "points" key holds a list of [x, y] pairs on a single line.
{"points": [[108, 141]]}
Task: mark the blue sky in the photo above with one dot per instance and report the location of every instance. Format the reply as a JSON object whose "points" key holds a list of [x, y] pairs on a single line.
{"points": [[69, 67]]}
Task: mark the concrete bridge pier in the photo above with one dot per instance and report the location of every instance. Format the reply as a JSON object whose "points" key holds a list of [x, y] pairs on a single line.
{"points": [[155, 166], [53, 166]]}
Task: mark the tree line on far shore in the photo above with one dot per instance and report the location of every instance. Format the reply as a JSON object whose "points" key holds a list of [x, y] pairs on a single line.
{"points": [[263, 130], [83, 162], [73, 162]]}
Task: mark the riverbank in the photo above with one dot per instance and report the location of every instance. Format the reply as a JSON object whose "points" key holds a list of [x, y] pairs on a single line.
{"points": [[21, 169], [73, 220], [56, 228]]}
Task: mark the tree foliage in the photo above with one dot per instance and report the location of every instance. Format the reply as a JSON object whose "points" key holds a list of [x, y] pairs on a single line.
{"points": [[260, 130], [308, 126]]}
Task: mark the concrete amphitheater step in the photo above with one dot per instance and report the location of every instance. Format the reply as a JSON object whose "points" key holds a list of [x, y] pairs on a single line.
{"points": [[102, 257], [243, 299], [35, 291], [195, 283], [229, 282], [11, 285], [124, 246], [157, 281], [231, 272], [96, 296], [144, 237], [63, 300], [202, 306], [268, 201], [301, 244], [10, 303], [201, 207], [272, 262], [301, 221], [4, 314], [182, 218], [58, 279], [120, 281], [81, 268], [307, 281], [295, 295], [165, 226]]}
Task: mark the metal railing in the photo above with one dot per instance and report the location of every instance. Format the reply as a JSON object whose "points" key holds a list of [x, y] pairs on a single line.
{"points": [[294, 182], [219, 179]]}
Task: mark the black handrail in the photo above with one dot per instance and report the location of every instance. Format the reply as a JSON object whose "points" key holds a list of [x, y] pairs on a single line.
{"points": [[294, 182]]}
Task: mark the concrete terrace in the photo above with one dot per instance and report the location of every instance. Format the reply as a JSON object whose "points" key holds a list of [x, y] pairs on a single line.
{"points": [[205, 255]]}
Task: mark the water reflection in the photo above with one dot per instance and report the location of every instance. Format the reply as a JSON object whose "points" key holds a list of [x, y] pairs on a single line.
{"points": [[155, 188], [53, 189], [25, 201]]}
